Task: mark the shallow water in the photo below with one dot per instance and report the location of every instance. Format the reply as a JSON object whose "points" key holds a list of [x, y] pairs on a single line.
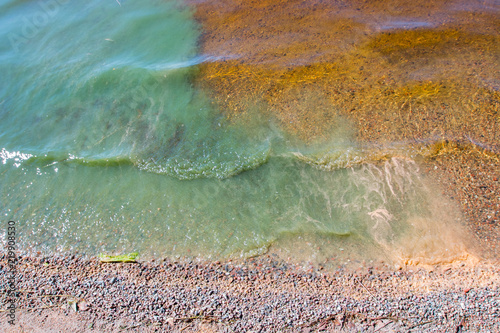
{"points": [[107, 146]]}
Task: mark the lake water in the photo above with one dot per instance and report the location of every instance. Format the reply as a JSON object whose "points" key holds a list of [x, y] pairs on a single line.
{"points": [[108, 146]]}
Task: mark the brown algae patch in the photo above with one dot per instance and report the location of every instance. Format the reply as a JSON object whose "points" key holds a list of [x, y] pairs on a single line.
{"points": [[308, 101], [294, 97], [308, 63], [415, 43], [276, 33]]}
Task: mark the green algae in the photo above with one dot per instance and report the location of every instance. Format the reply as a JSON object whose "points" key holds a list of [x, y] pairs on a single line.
{"points": [[127, 258]]}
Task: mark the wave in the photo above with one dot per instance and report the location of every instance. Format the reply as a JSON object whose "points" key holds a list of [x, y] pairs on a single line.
{"points": [[348, 157], [223, 162], [183, 168], [178, 167]]}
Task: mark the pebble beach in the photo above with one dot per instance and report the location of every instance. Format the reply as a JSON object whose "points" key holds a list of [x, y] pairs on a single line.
{"points": [[431, 90], [77, 294]]}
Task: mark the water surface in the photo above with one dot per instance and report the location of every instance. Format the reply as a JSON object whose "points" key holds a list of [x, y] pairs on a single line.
{"points": [[107, 145]]}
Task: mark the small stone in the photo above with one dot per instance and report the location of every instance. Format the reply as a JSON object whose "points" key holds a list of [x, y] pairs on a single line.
{"points": [[83, 306], [73, 305]]}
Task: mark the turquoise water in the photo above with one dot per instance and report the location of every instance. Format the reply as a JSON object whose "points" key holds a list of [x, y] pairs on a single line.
{"points": [[103, 82], [106, 146]]}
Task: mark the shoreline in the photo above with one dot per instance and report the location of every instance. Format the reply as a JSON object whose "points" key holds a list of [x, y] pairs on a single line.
{"points": [[74, 293], [254, 294]]}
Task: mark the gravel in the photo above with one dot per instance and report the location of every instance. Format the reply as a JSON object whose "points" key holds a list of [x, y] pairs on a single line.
{"points": [[258, 295]]}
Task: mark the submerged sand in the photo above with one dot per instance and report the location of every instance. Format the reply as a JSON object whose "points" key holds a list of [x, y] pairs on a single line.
{"points": [[418, 75]]}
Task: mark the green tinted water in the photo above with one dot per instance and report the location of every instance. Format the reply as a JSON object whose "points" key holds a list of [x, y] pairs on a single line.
{"points": [[106, 146]]}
